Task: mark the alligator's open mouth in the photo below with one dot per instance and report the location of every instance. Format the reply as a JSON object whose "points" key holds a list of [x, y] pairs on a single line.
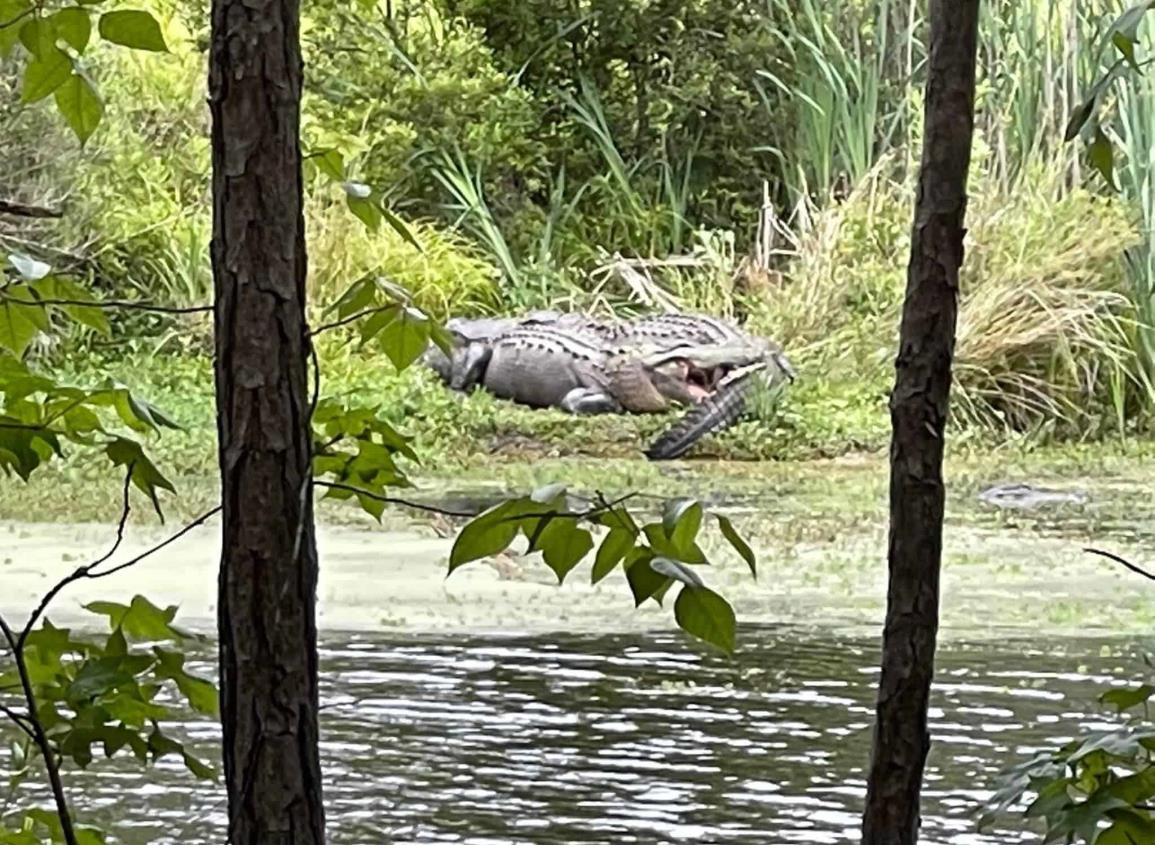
{"points": [[701, 382]]}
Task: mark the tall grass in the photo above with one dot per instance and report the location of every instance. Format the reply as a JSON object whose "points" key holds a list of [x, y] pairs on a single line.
{"points": [[842, 57]]}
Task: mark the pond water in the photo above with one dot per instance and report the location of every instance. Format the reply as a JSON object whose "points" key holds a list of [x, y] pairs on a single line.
{"points": [[636, 739], [434, 731]]}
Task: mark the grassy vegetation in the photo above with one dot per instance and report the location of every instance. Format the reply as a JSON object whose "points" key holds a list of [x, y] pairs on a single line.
{"points": [[522, 174]]}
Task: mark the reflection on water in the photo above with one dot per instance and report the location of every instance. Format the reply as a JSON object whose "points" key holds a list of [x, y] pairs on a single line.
{"points": [[620, 739]]}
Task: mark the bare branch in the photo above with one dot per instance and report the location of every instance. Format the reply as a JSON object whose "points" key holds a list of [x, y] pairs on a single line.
{"points": [[82, 571], [125, 304], [18, 209], [21, 720], [408, 503], [200, 520], [352, 318], [392, 500], [1122, 561]]}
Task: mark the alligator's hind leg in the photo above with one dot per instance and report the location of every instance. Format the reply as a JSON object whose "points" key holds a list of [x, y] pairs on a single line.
{"points": [[590, 400]]}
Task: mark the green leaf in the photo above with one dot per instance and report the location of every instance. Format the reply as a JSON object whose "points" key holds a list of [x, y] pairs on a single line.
{"points": [[405, 337], [11, 10], [38, 35], [135, 413], [199, 768], [644, 582], [360, 202], [662, 545], [682, 520], [739, 545], [74, 26], [1125, 30], [61, 288], [19, 323], [1085, 110], [1136, 788], [1130, 828], [201, 694], [80, 105], [488, 533], [1102, 157], [98, 676], [614, 548], [676, 570], [706, 615], [140, 620], [132, 28], [331, 163], [1126, 698], [145, 475], [45, 74], [398, 225], [51, 643], [563, 544]]}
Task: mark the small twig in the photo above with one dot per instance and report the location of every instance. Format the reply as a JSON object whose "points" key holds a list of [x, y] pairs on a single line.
{"points": [[1123, 561], [82, 571], [352, 318], [126, 304], [200, 520], [19, 209], [21, 720], [391, 500]]}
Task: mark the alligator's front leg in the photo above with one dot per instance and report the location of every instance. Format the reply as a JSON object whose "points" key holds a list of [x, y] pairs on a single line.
{"points": [[469, 366], [590, 400]]}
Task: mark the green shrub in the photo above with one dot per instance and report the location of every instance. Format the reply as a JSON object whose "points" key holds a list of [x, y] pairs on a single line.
{"points": [[446, 276]]}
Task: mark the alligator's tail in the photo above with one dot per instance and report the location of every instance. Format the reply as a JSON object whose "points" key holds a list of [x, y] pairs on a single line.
{"points": [[714, 413]]}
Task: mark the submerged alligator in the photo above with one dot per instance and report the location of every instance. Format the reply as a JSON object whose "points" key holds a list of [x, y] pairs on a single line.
{"points": [[643, 365]]}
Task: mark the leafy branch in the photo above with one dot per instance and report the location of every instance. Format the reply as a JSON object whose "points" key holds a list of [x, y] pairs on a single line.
{"points": [[110, 690], [1086, 120]]}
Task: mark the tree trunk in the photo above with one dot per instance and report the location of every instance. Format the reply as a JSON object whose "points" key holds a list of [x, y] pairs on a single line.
{"points": [[268, 575], [918, 409]]}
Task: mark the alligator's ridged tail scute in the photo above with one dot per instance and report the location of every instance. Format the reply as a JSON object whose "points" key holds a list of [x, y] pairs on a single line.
{"points": [[714, 413]]}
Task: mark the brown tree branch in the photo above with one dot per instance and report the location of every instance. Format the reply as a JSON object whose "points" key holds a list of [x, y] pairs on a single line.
{"points": [[123, 304], [18, 209], [1122, 561]]}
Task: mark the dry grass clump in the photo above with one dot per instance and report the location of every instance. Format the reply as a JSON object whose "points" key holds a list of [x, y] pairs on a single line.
{"points": [[1046, 323]]}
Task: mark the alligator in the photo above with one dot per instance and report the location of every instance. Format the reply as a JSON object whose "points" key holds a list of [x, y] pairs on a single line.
{"points": [[473, 335], [582, 373], [641, 365]]}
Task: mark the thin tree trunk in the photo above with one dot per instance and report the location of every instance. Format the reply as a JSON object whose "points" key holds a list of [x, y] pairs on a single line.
{"points": [[918, 409], [268, 575]]}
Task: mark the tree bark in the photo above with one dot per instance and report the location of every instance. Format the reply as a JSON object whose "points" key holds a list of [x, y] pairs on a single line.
{"points": [[268, 574], [918, 409]]}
